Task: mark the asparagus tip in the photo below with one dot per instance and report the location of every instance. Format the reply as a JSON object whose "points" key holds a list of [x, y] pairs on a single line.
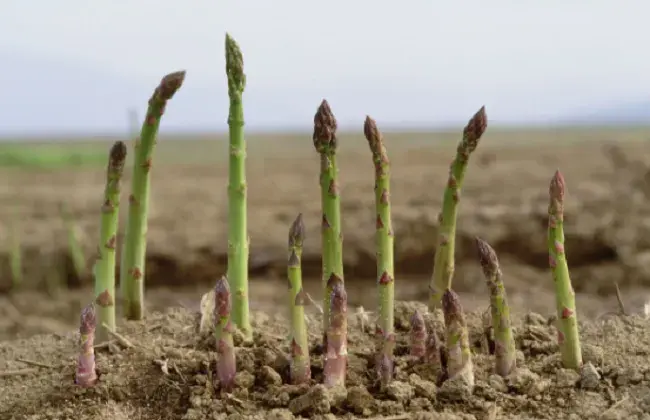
{"points": [[339, 295], [475, 129], [557, 187], [451, 305], [234, 65], [88, 319], [487, 256], [417, 320], [117, 154], [324, 128], [334, 281], [222, 297], [297, 231], [170, 84], [371, 131]]}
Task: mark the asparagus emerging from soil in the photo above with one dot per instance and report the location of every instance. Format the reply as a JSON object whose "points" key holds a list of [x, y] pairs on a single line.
{"points": [[459, 355], [104, 269], [418, 335], [443, 268], [237, 213], [504, 341], [336, 352], [226, 365], [568, 336], [385, 256], [300, 370], [86, 375], [325, 143], [132, 267]]}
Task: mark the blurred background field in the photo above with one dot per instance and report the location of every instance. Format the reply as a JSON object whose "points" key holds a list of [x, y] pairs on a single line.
{"points": [[504, 201]]}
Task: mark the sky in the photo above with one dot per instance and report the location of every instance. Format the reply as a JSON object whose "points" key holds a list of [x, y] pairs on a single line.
{"points": [[408, 63]]}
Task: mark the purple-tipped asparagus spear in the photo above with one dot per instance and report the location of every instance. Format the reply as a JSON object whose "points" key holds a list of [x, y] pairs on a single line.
{"points": [[418, 335], [336, 353], [459, 355], [226, 365], [86, 375]]}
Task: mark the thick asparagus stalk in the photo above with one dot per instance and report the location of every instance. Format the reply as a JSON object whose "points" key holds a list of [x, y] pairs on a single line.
{"points": [[336, 353], [86, 375], [443, 268], [384, 238], [459, 355], [568, 336], [132, 264], [504, 341], [237, 214], [418, 335], [300, 370], [104, 269], [226, 364], [325, 143]]}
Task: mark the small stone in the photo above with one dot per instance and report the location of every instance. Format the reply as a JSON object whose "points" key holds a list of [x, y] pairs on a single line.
{"points": [[316, 401], [422, 388], [359, 399], [589, 376], [244, 379], [400, 391], [270, 377], [498, 383], [567, 378]]}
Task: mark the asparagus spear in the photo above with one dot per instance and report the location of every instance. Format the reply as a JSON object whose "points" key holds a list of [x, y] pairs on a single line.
{"points": [[385, 255], [459, 355], [300, 370], [504, 341], [132, 264], [86, 375], [418, 335], [238, 240], [443, 268], [336, 353], [226, 364], [325, 143], [104, 269], [568, 336]]}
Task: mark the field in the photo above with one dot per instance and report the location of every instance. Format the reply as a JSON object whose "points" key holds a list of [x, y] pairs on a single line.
{"points": [[504, 200]]}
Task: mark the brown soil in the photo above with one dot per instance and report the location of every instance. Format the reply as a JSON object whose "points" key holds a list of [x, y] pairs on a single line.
{"points": [[169, 374]]}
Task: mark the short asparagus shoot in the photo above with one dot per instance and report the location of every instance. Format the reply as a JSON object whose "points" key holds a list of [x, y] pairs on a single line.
{"points": [[568, 335], [238, 242], [132, 265], [504, 340], [418, 345], [444, 264], [384, 239], [336, 352], [300, 369], [86, 374], [325, 142], [104, 269], [459, 355], [226, 364]]}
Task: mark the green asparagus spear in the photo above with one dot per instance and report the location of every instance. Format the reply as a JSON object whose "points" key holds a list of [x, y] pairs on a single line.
{"points": [[459, 354], [132, 264], [104, 269], [443, 268], [568, 336], [238, 241], [504, 341], [325, 143], [300, 369]]}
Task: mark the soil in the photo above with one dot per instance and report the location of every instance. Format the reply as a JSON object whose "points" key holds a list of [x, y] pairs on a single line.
{"points": [[164, 369]]}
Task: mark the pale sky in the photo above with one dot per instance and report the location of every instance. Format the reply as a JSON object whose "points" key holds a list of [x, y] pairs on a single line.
{"points": [[410, 61]]}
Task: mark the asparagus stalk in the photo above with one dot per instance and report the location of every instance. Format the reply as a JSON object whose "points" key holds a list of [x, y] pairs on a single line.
{"points": [[568, 336], [336, 353], [504, 341], [300, 370], [443, 268], [132, 264], [104, 269], [325, 143], [418, 335], [237, 214], [459, 355], [226, 364], [384, 238], [86, 375]]}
